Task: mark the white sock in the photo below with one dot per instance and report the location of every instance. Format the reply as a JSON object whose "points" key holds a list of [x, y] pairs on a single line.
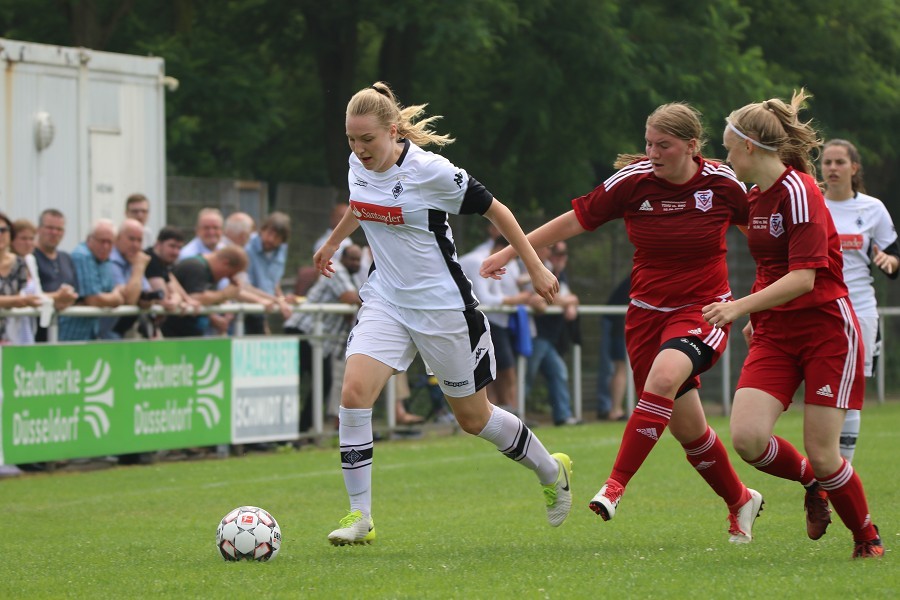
{"points": [[849, 434], [516, 441], [355, 434]]}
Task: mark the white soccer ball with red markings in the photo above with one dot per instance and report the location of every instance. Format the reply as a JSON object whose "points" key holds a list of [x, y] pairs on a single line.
{"points": [[248, 533]]}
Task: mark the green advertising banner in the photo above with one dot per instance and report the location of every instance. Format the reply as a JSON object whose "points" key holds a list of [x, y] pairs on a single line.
{"points": [[81, 400]]}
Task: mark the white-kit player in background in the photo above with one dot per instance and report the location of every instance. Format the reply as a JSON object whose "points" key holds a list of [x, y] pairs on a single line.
{"points": [[417, 298], [867, 237]]}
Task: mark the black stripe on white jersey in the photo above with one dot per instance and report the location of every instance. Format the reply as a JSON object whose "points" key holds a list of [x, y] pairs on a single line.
{"points": [[438, 226]]}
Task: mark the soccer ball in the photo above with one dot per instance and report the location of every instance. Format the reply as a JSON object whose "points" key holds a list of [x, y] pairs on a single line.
{"points": [[248, 533]]}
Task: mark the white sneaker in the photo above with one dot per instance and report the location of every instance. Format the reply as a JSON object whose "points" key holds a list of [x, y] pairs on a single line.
{"points": [[558, 495], [607, 499], [355, 529], [741, 523]]}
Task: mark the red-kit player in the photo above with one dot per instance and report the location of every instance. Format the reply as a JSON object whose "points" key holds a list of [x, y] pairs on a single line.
{"points": [[677, 207], [802, 324]]}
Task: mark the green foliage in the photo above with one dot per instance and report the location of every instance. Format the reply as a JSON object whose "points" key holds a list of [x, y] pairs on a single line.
{"points": [[540, 94], [455, 519]]}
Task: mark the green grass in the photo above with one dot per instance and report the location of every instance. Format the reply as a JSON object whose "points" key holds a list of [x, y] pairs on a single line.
{"points": [[455, 519]]}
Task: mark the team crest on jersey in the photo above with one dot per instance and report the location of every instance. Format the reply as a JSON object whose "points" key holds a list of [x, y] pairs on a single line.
{"points": [[389, 215], [776, 225], [398, 189], [703, 200]]}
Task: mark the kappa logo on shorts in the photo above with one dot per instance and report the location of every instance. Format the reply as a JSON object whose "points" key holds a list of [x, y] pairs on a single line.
{"points": [[389, 215], [456, 384], [478, 353], [703, 200], [825, 390]]}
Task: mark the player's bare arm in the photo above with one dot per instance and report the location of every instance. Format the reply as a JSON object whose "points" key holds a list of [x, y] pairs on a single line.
{"points": [[322, 258], [794, 284], [543, 281]]}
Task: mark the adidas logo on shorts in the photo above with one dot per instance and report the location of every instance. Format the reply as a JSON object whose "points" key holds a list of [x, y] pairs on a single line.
{"points": [[825, 390], [650, 432]]}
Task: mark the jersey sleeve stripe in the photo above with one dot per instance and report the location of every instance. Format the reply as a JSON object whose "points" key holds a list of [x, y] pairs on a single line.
{"points": [[637, 168], [799, 201]]}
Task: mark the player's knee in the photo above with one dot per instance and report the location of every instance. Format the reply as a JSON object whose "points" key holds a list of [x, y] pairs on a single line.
{"points": [[748, 442]]}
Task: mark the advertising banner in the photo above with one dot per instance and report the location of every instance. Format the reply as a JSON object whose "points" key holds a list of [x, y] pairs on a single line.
{"points": [[266, 379], [82, 400]]}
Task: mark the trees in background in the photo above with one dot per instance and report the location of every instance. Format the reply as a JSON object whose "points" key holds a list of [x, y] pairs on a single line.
{"points": [[540, 94]]}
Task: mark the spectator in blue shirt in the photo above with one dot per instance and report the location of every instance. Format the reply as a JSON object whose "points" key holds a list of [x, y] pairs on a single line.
{"points": [[129, 264], [95, 281], [267, 252]]}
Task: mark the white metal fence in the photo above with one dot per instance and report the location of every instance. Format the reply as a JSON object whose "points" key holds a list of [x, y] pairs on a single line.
{"points": [[316, 337]]}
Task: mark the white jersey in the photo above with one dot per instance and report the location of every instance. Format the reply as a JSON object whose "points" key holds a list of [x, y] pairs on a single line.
{"points": [[403, 212], [861, 222]]}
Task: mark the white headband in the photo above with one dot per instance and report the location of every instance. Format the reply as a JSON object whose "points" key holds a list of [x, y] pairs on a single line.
{"points": [[750, 139]]}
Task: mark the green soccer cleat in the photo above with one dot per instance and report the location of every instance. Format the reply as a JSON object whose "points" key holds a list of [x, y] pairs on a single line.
{"points": [[558, 495], [355, 529]]}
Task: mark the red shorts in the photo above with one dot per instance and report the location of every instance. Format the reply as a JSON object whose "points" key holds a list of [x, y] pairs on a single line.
{"points": [[820, 346], [646, 330]]}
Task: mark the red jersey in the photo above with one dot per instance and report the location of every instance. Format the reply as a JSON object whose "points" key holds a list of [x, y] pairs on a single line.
{"points": [[790, 229], [678, 230]]}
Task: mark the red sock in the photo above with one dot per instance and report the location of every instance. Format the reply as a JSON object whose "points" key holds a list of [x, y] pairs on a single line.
{"points": [[781, 459], [646, 425], [845, 491], [707, 454]]}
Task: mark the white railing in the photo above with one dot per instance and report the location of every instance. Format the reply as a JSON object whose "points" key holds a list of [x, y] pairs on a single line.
{"points": [[316, 337]]}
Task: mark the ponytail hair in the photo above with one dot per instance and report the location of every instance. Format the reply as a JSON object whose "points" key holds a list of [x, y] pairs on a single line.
{"points": [[776, 126], [379, 101]]}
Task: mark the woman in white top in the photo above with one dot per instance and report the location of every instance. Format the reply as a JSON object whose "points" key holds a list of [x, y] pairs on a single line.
{"points": [[417, 297], [867, 237]]}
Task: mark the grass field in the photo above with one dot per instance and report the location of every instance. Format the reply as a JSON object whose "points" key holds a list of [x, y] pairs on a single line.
{"points": [[455, 519]]}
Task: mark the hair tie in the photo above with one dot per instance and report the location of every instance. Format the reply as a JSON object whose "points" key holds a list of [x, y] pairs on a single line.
{"points": [[750, 139]]}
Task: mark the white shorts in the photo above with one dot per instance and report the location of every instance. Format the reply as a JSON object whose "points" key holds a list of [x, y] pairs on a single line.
{"points": [[455, 344], [868, 328]]}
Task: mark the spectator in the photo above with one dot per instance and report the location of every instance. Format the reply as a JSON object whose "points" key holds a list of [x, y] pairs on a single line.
{"points": [[208, 234], [56, 270], [238, 228], [129, 265], [96, 286], [550, 330], [14, 276], [612, 377], [199, 277], [337, 213], [163, 256], [267, 252], [137, 207], [327, 290], [21, 330]]}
